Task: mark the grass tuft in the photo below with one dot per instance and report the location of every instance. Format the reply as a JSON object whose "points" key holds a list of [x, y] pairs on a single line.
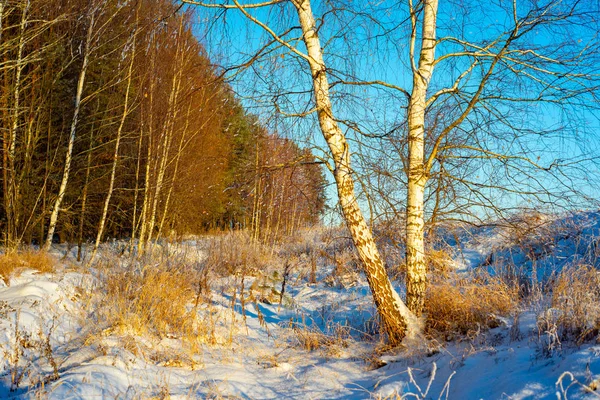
{"points": [[576, 302], [13, 262], [460, 306]]}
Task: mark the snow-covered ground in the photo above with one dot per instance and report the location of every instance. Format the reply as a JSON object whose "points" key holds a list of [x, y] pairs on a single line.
{"points": [[317, 344]]}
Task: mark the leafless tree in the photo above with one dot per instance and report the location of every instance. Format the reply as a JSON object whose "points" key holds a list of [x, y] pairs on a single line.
{"points": [[446, 98]]}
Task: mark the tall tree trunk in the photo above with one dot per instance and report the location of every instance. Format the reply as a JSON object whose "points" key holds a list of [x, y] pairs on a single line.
{"points": [[65, 178], [136, 193], [12, 194], [416, 279], [257, 196], [175, 170], [84, 195], [113, 171], [167, 131], [397, 320], [6, 134], [146, 200]]}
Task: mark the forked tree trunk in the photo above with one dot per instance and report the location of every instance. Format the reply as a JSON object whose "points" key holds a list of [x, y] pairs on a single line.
{"points": [[397, 320], [416, 279]]}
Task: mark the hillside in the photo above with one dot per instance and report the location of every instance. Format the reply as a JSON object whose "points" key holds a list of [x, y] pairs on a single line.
{"points": [[205, 318]]}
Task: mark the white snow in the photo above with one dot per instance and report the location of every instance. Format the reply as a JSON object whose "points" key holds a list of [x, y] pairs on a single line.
{"points": [[264, 360]]}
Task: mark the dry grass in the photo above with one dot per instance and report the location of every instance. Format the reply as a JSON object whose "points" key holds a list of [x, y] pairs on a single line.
{"points": [[463, 306], [28, 259], [235, 253], [576, 303], [157, 300], [439, 263], [329, 341]]}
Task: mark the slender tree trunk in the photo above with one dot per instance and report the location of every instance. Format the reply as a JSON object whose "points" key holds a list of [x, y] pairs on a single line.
{"points": [[416, 279], [175, 170], [46, 175], [146, 201], [168, 128], [12, 194], [113, 171], [5, 134], [86, 183], [136, 195], [65, 178], [397, 320], [84, 195]]}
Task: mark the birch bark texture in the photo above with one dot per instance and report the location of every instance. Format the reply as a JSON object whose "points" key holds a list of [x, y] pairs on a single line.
{"points": [[416, 279], [396, 318], [73, 131]]}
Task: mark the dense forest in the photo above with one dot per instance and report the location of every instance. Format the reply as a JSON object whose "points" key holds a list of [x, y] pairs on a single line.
{"points": [[115, 123]]}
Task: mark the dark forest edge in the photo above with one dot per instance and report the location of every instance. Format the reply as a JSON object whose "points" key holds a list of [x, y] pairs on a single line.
{"points": [[118, 103]]}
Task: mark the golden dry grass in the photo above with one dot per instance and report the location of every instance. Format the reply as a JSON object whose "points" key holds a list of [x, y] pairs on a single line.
{"points": [[460, 306], [439, 262], [235, 253], [157, 300], [576, 297], [12, 262]]}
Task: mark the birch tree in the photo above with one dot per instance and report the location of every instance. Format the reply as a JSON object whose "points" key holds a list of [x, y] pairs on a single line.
{"points": [[480, 98], [396, 318], [22, 50], [124, 115], [98, 18], [88, 45], [458, 104]]}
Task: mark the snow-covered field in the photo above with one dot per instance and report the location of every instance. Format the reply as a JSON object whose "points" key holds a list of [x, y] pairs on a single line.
{"points": [[316, 341]]}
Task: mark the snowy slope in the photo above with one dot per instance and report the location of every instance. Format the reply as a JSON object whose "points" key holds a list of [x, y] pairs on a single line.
{"points": [[46, 344]]}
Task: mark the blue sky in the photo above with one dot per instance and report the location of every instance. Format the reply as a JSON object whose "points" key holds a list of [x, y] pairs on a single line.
{"points": [[368, 41]]}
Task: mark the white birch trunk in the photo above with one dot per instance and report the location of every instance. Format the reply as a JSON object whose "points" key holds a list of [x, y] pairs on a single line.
{"points": [[134, 222], [169, 126], [73, 132], [146, 201], [416, 280], [113, 171], [175, 170], [12, 186], [397, 320]]}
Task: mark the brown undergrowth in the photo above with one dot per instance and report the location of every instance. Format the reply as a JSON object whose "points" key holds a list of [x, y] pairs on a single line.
{"points": [[460, 305], [153, 300], [11, 263], [575, 304]]}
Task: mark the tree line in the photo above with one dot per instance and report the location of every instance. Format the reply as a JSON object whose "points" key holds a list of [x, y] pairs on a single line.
{"points": [[115, 123]]}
